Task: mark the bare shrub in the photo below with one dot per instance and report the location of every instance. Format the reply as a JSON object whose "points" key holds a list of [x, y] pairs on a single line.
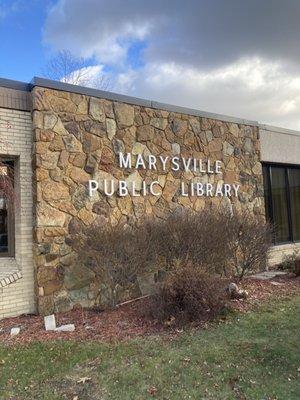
{"points": [[291, 262], [7, 190], [208, 243], [190, 238], [249, 239], [188, 294], [116, 254]]}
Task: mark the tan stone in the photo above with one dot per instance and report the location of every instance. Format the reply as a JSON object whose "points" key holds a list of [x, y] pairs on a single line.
{"points": [[231, 177], [179, 127], [55, 231], [199, 204], [159, 123], [170, 190], [78, 175], [125, 205], [124, 114], [49, 216], [59, 104], [145, 132], [195, 124], [49, 160], [107, 156], [57, 144], [78, 160], [47, 136], [138, 148], [52, 286], [87, 217], [50, 120], [96, 109], [63, 159], [215, 145], [41, 147], [54, 191], [111, 128], [82, 107], [37, 120], [41, 174], [64, 206], [233, 129], [135, 178], [59, 128], [91, 143]]}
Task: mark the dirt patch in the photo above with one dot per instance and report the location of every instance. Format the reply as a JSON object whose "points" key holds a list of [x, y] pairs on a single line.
{"points": [[126, 322]]}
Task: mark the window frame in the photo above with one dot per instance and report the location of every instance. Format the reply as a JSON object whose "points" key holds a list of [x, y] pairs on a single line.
{"points": [[10, 212], [269, 201]]}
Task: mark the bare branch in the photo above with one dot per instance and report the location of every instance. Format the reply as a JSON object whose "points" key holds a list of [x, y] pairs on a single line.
{"points": [[65, 67]]}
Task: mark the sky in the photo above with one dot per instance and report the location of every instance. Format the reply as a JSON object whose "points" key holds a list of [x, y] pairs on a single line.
{"points": [[234, 57]]}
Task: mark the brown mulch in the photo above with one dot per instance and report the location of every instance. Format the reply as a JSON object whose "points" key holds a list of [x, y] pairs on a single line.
{"points": [[126, 321]]}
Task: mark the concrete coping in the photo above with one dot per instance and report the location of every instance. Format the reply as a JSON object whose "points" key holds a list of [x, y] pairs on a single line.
{"points": [[67, 87], [42, 82], [276, 129]]}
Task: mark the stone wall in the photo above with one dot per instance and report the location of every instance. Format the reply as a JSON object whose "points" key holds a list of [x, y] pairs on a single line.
{"points": [[78, 138]]}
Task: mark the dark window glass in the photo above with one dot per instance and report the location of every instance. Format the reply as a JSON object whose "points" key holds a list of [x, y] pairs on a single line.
{"points": [[279, 203], [294, 181], [3, 227], [282, 201]]}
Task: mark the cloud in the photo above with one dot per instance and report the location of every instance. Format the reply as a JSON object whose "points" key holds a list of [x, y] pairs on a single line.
{"points": [[233, 57], [199, 33], [251, 88]]}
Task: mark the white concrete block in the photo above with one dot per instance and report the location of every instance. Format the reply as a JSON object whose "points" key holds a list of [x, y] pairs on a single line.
{"points": [[50, 324], [66, 328]]}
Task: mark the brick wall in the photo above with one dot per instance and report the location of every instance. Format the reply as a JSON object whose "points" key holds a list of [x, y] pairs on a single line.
{"points": [[16, 140]]}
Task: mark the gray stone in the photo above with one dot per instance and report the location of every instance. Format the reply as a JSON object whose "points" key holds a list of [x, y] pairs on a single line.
{"points": [[73, 128], [228, 149], [78, 276], [175, 148], [146, 284], [209, 136], [72, 144], [118, 146], [49, 121], [248, 145], [95, 128]]}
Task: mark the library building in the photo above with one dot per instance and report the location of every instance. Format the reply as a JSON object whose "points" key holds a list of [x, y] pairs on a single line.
{"points": [[73, 156]]}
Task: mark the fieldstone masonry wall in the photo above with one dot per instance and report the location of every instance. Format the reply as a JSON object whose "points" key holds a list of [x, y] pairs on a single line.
{"points": [[78, 138]]}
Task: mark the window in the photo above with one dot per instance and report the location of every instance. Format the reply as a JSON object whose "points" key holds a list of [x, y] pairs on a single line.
{"points": [[7, 197], [282, 199]]}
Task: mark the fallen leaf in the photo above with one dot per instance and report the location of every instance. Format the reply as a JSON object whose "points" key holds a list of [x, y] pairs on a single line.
{"points": [[152, 390], [84, 379]]}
